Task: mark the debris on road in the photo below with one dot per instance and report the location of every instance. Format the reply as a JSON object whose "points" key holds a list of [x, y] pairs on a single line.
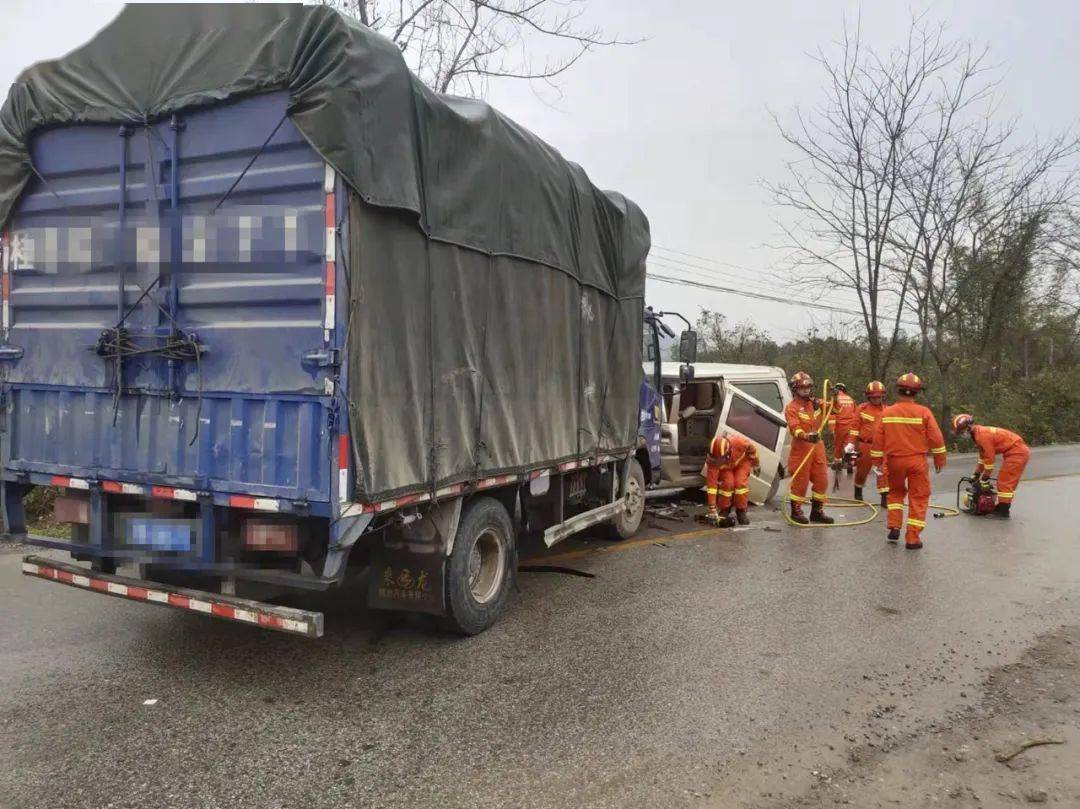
{"points": [[1003, 757]]}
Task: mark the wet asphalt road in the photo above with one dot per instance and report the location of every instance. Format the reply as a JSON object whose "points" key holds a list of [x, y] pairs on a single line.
{"points": [[721, 669]]}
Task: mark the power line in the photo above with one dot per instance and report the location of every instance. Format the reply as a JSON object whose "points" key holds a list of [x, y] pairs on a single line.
{"points": [[728, 277], [667, 279]]}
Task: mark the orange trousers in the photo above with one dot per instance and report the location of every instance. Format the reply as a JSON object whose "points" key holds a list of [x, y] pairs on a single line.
{"points": [[862, 470], [727, 484], [908, 475], [814, 473], [1012, 467]]}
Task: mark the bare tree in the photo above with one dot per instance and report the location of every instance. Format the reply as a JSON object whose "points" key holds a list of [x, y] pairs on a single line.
{"points": [[459, 45], [844, 188]]}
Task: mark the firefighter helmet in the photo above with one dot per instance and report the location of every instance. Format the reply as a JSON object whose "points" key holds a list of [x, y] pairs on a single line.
{"points": [[909, 382], [801, 379], [875, 388], [719, 450], [840, 386], [961, 421]]}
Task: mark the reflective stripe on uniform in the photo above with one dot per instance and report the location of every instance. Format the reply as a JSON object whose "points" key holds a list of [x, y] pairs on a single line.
{"points": [[896, 506], [804, 416], [723, 492], [918, 523], [820, 497], [901, 420], [743, 490], [986, 464], [938, 450], [854, 433], [877, 453], [883, 490], [710, 490], [796, 498], [1005, 495], [866, 417], [799, 433]]}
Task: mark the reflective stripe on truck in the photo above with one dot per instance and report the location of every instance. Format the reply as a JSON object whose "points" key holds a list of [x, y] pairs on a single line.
{"points": [[229, 608]]}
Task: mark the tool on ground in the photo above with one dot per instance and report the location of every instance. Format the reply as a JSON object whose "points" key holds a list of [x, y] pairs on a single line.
{"points": [[979, 497]]}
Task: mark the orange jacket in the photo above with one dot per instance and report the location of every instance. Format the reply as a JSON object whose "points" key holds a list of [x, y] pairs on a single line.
{"points": [[993, 441], [802, 417], [908, 428], [863, 429], [741, 449], [843, 416]]}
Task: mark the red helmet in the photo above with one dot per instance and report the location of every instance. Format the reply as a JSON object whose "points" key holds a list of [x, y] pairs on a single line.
{"points": [[720, 449], [800, 380], [909, 382], [961, 421], [875, 388]]}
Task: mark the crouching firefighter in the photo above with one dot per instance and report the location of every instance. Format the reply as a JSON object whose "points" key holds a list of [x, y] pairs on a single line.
{"points": [[728, 465], [908, 432], [994, 441], [807, 459], [861, 437]]}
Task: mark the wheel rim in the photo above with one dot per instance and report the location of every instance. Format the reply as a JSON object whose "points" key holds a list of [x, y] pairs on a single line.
{"points": [[634, 501], [487, 566]]}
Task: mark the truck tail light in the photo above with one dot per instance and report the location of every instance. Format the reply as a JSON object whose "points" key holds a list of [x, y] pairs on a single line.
{"points": [[267, 535]]}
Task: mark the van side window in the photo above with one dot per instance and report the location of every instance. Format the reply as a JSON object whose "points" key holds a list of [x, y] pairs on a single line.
{"points": [[768, 393], [745, 418]]}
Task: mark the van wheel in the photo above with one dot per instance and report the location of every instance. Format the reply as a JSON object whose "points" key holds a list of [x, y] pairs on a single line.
{"points": [[626, 524], [480, 571]]}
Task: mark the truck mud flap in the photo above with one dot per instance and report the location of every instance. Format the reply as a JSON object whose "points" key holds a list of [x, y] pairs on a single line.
{"points": [[245, 611], [413, 582]]}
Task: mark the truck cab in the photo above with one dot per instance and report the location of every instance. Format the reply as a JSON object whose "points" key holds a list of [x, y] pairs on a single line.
{"points": [[684, 406]]}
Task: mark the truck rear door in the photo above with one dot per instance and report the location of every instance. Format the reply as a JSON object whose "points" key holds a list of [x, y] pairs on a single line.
{"points": [[213, 222]]}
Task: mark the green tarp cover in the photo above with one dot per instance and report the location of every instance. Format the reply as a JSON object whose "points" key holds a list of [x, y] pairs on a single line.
{"points": [[495, 294]]}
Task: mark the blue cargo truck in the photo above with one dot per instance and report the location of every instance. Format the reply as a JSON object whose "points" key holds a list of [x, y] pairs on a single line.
{"points": [[265, 320]]}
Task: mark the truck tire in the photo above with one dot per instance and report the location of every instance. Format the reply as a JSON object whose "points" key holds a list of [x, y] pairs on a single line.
{"points": [[480, 571], [626, 524]]}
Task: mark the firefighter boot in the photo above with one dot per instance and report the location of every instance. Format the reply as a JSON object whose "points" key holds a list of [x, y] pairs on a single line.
{"points": [[740, 516], [884, 499], [818, 515], [894, 535], [1001, 509], [914, 546], [858, 492], [726, 520], [797, 515]]}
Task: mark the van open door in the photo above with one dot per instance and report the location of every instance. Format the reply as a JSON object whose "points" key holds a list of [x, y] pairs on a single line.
{"points": [[745, 415]]}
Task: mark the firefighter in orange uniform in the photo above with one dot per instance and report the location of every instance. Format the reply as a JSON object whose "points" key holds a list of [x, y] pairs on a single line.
{"points": [[994, 441], [728, 465], [907, 433], [843, 418], [803, 414], [861, 438]]}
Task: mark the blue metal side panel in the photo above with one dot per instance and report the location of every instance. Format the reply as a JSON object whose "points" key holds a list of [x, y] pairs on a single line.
{"points": [[246, 279]]}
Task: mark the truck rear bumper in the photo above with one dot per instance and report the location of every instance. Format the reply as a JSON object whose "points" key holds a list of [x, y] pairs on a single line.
{"points": [[255, 613]]}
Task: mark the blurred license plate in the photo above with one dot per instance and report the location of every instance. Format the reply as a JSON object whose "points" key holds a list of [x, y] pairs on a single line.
{"points": [[160, 533]]}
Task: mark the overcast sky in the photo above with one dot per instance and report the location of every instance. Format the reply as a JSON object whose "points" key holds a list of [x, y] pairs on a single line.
{"points": [[681, 124]]}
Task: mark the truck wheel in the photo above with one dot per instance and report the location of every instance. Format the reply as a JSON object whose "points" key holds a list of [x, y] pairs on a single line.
{"points": [[481, 567], [627, 523]]}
